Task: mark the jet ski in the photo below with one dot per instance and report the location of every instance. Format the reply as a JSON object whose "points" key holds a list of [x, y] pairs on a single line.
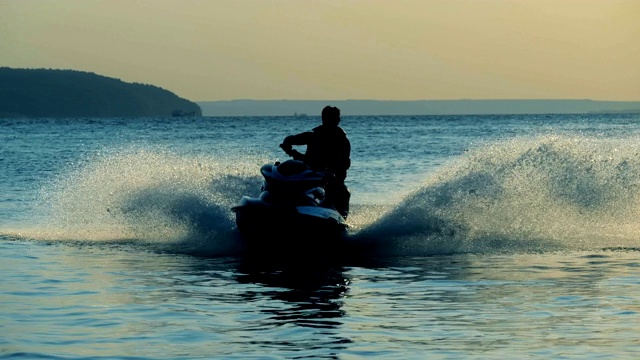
{"points": [[291, 210]]}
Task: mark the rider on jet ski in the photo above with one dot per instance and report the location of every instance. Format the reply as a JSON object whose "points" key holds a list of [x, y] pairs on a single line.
{"points": [[328, 149]]}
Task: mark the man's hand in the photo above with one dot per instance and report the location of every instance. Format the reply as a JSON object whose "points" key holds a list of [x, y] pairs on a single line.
{"points": [[296, 155], [286, 147]]}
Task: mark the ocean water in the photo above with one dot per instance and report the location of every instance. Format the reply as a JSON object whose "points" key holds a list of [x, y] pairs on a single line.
{"points": [[478, 237]]}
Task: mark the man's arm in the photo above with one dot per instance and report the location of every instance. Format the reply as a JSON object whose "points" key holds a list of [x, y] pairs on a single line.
{"points": [[299, 139], [295, 154]]}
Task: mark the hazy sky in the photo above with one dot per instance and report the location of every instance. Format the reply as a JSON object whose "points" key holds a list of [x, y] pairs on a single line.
{"points": [[338, 49]]}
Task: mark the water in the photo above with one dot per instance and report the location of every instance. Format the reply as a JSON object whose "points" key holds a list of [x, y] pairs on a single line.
{"points": [[480, 237]]}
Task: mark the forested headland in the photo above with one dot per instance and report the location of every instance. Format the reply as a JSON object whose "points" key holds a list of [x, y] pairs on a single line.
{"points": [[71, 93]]}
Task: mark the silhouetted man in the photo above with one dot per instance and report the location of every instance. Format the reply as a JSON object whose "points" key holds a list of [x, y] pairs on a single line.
{"points": [[328, 149]]}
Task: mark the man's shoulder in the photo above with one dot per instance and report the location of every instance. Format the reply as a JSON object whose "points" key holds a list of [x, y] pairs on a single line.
{"points": [[330, 130]]}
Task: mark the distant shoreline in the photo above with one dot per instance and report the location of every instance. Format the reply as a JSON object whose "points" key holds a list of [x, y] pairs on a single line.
{"points": [[36, 93], [417, 107]]}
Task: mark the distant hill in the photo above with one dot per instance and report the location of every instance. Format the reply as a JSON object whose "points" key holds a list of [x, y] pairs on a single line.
{"points": [[419, 107], [70, 93]]}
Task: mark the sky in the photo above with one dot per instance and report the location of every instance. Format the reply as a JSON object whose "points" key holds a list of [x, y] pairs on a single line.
{"points": [[210, 50]]}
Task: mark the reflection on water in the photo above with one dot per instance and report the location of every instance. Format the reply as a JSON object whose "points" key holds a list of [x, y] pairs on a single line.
{"points": [[127, 301], [306, 301], [313, 295]]}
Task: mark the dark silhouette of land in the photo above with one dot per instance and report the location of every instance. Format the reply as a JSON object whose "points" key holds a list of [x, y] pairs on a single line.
{"points": [[70, 93], [418, 107]]}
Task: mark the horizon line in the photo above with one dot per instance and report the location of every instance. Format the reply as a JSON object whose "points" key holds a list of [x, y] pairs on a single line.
{"points": [[416, 100]]}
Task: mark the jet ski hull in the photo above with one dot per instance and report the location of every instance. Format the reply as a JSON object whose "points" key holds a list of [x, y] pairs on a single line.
{"points": [[265, 225], [291, 214]]}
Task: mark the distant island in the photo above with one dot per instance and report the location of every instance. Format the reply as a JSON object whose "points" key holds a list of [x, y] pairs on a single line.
{"points": [[71, 93], [417, 107]]}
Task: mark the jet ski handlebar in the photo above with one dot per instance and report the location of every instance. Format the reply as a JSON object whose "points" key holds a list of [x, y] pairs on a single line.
{"points": [[296, 155]]}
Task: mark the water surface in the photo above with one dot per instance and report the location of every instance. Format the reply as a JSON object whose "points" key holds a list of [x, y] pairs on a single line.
{"points": [[479, 237]]}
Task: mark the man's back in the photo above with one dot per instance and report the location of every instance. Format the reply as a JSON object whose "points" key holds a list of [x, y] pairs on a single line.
{"points": [[328, 148]]}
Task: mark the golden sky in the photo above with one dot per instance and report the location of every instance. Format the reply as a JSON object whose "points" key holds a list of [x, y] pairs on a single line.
{"points": [[338, 49]]}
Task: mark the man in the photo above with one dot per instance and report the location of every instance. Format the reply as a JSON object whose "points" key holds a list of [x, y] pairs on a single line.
{"points": [[328, 149]]}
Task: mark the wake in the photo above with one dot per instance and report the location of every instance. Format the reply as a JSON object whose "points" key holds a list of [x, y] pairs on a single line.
{"points": [[154, 198], [526, 194]]}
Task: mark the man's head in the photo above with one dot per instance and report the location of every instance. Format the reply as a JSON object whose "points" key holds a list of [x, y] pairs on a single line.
{"points": [[330, 116]]}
